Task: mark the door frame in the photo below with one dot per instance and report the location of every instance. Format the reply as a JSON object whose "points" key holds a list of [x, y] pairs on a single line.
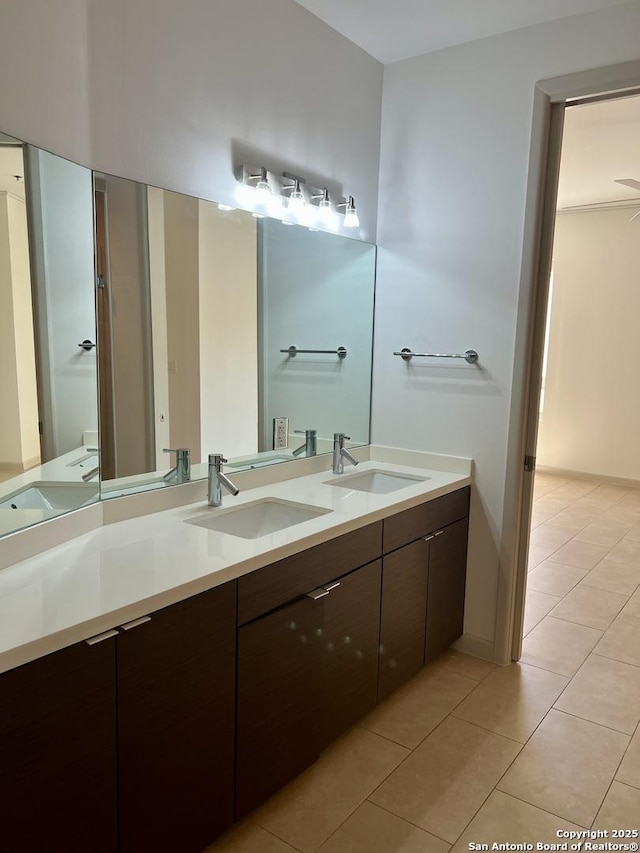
{"points": [[551, 97]]}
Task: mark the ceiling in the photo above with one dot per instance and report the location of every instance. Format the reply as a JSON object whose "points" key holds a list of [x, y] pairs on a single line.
{"points": [[11, 164], [391, 30], [601, 143]]}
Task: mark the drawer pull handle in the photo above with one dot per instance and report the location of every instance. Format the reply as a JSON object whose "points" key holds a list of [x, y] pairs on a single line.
{"points": [[134, 624], [332, 586], [438, 533], [106, 635], [430, 537], [315, 594]]}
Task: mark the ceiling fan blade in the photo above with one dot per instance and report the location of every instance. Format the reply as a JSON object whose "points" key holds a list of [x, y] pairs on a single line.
{"points": [[629, 182]]}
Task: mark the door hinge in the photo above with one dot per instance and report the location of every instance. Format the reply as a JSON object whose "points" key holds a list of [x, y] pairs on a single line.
{"points": [[100, 281], [529, 463]]}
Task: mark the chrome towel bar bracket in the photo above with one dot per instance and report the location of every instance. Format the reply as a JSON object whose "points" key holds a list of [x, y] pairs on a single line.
{"points": [[470, 356], [293, 351]]}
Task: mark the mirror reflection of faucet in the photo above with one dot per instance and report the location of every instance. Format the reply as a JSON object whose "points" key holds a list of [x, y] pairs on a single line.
{"points": [[182, 469], [217, 480], [310, 446], [340, 453]]}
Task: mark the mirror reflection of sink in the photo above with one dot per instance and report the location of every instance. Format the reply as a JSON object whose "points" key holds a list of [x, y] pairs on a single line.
{"points": [[259, 518], [376, 482], [53, 496]]}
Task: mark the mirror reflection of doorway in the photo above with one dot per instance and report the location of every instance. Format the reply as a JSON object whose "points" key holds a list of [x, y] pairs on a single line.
{"points": [[584, 553]]}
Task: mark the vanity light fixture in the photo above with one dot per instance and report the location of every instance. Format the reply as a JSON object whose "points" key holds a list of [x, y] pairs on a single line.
{"points": [[351, 219], [225, 206], [326, 213], [297, 203]]}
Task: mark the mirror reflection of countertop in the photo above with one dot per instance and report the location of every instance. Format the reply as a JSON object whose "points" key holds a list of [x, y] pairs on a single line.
{"points": [[125, 570]]}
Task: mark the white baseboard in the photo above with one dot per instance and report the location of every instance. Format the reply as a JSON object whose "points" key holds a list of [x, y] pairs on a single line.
{"points": [[587, 475], [476, 646]]}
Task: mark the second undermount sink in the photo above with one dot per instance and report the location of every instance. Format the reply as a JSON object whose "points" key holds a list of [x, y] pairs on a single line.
{"points": [[51, 496], [376, 482], [259, 518]]}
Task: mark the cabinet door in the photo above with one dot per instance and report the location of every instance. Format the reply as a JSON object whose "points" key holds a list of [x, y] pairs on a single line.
{"points": [[404, 614], [176, 686], [279, 702], [445, 597], [349, 646], [58, 752]]}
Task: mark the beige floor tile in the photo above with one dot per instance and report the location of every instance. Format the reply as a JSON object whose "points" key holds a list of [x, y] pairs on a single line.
{"points": [[554, 578], [632, 607], [537, 605], [611, 491], [538, 553], [248, 837], [634, 533], [616, 577], [626, 551], [463, 664], [313, 806], [552, 534], [513, 700], [621, 641], [599, 533], [582, 555], [503, 819], [626, 516], [416, 708], [631, 499], [566, 767], [551, 503], [576, 517], [620, 810], [371, 829], [629, 770], [606, 692], [559, 646], [445, 781], [586, 605]]}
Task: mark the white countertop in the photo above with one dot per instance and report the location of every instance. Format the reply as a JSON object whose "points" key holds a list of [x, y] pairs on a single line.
{"points": [[128, 569]]}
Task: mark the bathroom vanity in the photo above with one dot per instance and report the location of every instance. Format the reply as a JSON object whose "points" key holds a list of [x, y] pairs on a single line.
{"points": [[160, 730]]}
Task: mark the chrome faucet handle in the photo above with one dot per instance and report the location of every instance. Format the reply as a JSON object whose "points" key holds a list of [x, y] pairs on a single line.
{"points": [[180, 451], [216, 458]]}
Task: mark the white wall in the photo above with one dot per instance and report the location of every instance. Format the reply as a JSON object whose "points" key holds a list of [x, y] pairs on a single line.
{"points": [[19, 438], [175, 93], [591, 419], [456, 127], [228, 323]]}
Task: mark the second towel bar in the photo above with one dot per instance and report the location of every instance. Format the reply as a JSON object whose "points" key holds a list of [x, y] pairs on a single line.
{"points": [[470, 356], [292, 351]]}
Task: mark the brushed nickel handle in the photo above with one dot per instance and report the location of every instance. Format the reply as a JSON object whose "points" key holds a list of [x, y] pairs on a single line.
{"points": [[135, 622], [315, 594], [438, 533], [332, 586], [430, 537], [106, 635]]}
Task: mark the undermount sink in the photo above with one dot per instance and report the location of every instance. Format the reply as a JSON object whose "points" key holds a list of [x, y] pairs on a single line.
{"points": [[259, 518], [51, 496], [376, 482]]}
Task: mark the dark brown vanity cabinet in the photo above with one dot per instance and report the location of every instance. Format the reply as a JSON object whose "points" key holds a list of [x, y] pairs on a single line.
{"points": [[176, 709], [58, 786], [423, 585], [125, 744], [307, 670]]}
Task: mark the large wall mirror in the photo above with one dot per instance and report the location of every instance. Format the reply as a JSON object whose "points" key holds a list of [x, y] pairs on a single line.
{"points": [[195, 326], [198, 307], [48, 383]]}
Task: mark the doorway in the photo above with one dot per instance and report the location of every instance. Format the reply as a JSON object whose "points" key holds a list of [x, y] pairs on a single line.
{"points": [[581, 524]]}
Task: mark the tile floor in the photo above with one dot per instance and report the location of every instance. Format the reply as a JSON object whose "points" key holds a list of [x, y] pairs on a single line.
{"points": [[467, 751]]}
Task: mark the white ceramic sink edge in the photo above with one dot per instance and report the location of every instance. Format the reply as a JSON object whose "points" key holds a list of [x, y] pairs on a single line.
{"points": [[256, 518], [376, 481]]}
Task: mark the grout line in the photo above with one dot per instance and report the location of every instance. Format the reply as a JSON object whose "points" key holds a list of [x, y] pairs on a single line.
{"points": [[546, 811], [593, 722], [615, 773], [410, 822]]}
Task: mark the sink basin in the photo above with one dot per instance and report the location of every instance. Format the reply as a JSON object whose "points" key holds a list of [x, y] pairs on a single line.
{"points": [[259, 518], [54, 496], [376, 482]]}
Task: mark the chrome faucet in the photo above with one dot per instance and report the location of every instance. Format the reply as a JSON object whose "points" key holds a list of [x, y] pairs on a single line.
{"points": [[89, 475], [340, 453], [217, 480], [182, 469], [310, 446]]}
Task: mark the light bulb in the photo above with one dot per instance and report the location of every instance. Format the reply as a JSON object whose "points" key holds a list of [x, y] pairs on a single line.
{"points": [[262, 191], [296, 200], [326, 213], [225, 206], [351, 214]]}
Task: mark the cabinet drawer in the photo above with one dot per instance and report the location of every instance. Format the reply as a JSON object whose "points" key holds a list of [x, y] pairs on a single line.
{"points": [[413, 523], [275, 585]]}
